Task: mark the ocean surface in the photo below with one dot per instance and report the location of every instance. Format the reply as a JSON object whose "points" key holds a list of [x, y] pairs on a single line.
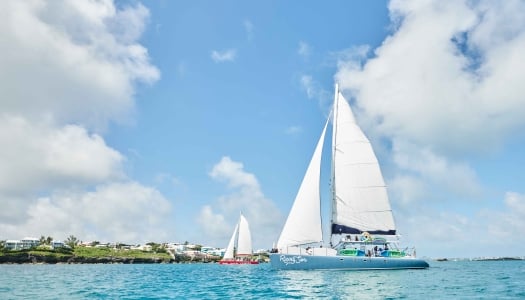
{"points": [[443, 280]]}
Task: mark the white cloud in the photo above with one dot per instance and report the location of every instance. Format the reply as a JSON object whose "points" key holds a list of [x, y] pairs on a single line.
{"points": [[67, 69], [293, 130], [435, 81], [39, 156], [125, 212], [441, 85], [407, 189], [245, 196], [80, 60], [516, 203], [487, 232], [314, 91], [304, 49], [508, 224], [248, 26], [214, 224], [454, 176], [308, 85], [223, 56], [233, 174]]}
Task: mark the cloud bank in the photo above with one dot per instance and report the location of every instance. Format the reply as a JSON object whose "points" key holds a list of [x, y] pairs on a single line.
{"points": [[68, 69]]}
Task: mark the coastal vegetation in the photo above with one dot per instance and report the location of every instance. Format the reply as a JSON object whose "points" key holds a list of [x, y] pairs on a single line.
{"points": [[82, 254], [73, 251], [93, 253]]}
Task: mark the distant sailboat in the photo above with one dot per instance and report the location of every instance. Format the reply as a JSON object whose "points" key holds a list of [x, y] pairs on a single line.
{"points": [[241, 241], [360, 206]]}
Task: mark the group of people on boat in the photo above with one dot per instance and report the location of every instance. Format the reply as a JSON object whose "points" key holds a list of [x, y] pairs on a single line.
{"points": [[367, 245]]}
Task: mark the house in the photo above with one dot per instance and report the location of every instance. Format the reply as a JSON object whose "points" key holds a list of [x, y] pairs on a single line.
{"points": [[145, 248], [25, 243], [213, 251], [58, 244], [13, 245], [176, 247]]}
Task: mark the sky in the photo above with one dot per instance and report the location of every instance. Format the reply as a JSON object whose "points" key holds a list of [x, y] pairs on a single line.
{"points": [[129, 121]]}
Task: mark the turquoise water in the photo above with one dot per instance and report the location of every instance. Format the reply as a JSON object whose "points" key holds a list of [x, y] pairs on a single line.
{"points": [[444, 280]]}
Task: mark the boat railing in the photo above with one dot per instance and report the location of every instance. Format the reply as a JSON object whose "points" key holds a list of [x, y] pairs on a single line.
{"points": [[371, 249], [295, 250]]}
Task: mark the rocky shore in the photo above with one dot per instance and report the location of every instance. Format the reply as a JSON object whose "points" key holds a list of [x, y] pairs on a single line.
{"points": [[28, 258]]}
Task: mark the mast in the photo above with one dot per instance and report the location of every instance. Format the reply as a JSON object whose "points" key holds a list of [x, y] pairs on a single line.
{"points": [[332, 176]]}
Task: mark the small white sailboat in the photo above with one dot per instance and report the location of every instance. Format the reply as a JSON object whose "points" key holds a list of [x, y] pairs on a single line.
{"points": [[360, 206], [239, 250]]}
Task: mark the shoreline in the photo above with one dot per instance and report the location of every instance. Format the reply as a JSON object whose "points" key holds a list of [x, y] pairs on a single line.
{"points": [[17, 258], [28, 258]]}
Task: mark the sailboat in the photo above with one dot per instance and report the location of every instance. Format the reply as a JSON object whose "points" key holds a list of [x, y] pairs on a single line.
{"points": [[241, 241], [362, 218]]}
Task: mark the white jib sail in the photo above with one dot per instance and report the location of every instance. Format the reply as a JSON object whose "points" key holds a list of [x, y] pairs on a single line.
{"points": [[231, 245], [303, 225], [360, 196], [244, 243]]}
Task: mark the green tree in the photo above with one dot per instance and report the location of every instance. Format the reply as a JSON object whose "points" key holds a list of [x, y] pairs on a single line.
{"points": [[71, 241], [42, 240], [158, 248], [49, 240]]}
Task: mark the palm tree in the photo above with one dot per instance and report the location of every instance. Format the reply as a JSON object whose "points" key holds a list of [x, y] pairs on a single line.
{"points": [[71, 241], [49, 240]]}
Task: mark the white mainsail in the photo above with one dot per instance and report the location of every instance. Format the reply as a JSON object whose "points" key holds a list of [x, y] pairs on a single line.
{"points": [[360, 201], [303, 225], [244, 243]]}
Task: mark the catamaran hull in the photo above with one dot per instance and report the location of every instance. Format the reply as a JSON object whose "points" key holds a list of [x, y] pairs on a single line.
{"points": [[311, 262]]}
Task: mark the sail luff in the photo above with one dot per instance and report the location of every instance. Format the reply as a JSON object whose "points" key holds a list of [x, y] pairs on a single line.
{"points": [[303, 225]]}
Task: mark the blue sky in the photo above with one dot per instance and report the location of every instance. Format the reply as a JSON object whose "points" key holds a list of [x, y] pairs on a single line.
{"points": [[159, 121]]}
